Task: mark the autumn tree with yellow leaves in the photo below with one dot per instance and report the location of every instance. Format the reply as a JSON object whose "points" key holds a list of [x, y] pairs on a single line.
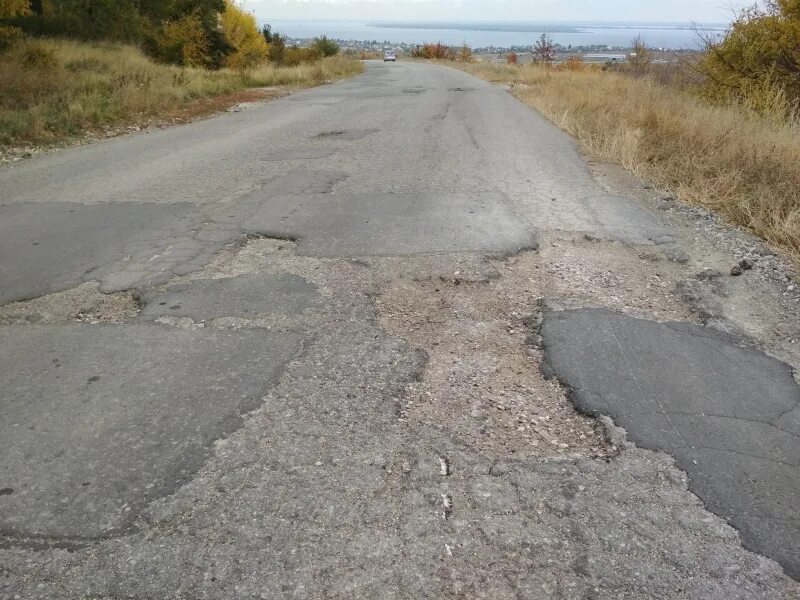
{"points": [[14, 8], [242, 32], [8, 10]]}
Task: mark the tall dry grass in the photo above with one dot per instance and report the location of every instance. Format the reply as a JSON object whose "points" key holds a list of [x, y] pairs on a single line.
{"points": [[51, 90], [745, 166]]}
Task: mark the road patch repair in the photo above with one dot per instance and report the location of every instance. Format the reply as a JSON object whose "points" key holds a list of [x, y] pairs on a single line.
{"points": [[729, 414], [331, 225], [99, 420], [97, 235], [624, 220], [243, 296]]}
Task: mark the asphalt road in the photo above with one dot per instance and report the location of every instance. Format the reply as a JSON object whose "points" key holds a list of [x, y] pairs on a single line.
{"points": [[242, 435]]}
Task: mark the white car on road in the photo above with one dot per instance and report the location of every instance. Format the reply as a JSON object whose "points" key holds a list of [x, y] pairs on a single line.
{"points": [[389, 56]]}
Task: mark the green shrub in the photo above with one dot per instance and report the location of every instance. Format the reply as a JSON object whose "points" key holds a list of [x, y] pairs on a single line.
{"points": [[325, 46]]}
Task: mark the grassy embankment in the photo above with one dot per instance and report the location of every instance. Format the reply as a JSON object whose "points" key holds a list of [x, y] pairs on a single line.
{"points": [[745, 166], [53, 90]]}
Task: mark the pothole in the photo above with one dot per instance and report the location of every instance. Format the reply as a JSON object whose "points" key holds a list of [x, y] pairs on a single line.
{"points": [[481, 382], [83, 303]]}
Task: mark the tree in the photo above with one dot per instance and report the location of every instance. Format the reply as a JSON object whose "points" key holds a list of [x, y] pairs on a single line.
{"points": [[266, 32], [276, 43], [325, 46], [544, 51], [277, 49], [183, 41], [758, 60], [639, 58], [240, 29]]}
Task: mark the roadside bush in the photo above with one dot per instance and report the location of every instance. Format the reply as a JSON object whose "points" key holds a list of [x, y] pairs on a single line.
{"points": [[574, 63], [298, 56], [757, 64], [465, 54], [512, 58], [434, 51], [325, 47]]}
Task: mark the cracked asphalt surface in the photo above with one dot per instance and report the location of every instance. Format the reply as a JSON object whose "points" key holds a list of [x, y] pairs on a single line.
{"points": [[297, 351]]}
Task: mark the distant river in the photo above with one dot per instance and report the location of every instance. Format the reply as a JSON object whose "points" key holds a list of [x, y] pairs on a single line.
{"points": [[501, 34]]}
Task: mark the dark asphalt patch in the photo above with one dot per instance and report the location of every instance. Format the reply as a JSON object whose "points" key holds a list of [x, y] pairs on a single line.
{"points": [[100, 420], [52, 246], [393, 224], [243, 296], [298, 154], [348, 135], [730, 415]]}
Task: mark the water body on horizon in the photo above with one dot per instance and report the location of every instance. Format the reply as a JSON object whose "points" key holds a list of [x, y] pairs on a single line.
{"points": [[677, 36]]}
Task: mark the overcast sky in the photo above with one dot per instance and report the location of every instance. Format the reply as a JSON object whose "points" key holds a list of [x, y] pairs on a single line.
{"points": [[497, 10]]}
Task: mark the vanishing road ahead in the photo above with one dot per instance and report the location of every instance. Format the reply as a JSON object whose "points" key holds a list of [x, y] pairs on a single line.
{"points": [[361, 341]]}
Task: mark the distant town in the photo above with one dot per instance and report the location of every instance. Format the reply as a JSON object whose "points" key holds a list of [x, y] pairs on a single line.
{"points": [[589, 53]]}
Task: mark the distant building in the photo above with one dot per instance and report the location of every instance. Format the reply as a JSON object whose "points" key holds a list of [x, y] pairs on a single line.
{"points": [[604, 57]]}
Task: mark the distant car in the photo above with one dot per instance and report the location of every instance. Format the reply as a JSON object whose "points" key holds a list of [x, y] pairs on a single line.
{"points": [[389, 56]]}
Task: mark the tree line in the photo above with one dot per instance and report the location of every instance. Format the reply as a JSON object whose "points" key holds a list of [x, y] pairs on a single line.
{"points": [[199, 33]]}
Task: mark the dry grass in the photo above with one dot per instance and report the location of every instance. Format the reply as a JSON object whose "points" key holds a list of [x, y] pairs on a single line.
{"points": [[744, 166], [52, 90]]}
